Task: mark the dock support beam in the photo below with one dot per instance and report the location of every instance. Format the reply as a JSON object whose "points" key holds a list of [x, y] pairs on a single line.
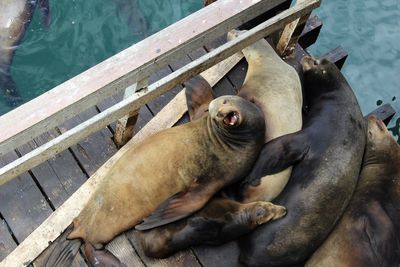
{"points": [[125, 125]]}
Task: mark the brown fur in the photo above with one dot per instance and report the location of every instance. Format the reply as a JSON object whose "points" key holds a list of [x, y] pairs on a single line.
{"points": [[369, 232], [189, 162]]}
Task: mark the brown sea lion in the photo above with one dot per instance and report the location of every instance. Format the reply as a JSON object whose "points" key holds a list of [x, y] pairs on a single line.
{"points": [[368, 234], [323, 182], [190, 162], [275, 87]]}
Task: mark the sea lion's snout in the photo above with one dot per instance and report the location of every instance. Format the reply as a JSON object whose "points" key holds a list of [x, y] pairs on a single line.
{"points": [[225, 110], [309, 63]]}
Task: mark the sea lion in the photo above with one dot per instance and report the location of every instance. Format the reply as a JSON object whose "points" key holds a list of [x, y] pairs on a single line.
{"points": [[368, 234], [220, 221], [322, 182], [275, 87], [15, 16], [176, 170]]}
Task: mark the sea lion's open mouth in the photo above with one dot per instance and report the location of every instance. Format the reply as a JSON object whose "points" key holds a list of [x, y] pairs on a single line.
{"points": [[232, 118]]}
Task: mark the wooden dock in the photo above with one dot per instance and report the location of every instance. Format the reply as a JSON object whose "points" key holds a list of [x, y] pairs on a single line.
{"points": [[28, 200]]}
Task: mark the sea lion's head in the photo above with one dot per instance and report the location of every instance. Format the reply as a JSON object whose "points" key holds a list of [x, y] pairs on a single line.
{"points": [[381, 146], [236, 118], [319, 75], [262, 212]]}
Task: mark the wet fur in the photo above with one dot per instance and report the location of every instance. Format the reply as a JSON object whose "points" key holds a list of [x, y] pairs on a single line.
{"points": [[369, 232]]}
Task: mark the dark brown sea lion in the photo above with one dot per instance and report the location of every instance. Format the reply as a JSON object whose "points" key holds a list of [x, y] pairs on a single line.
{"points": [[368, 234], [190, 162], [220, 221], [323, 182]]}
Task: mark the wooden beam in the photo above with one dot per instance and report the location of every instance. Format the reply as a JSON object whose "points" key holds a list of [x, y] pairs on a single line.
{"points": [[384, 113], [124, 69], [337, 55], [156, 89], [125, 125], [291, 33], [311, 31]]}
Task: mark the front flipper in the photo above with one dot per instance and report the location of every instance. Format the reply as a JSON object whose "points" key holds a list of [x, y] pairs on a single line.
{"points": [[277, 155], [199, 94], [178, 206]]}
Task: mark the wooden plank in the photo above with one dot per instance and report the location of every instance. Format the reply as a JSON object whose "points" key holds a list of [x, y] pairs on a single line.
{"points": [[60, 176], [384, 113], [291, 33], [123, 250], [124, 69], [62, 217], [125, 126], [22, 204], [337, 55], [180, 259], [311, 31], [7, 243], [152, 91], [95, 149]]}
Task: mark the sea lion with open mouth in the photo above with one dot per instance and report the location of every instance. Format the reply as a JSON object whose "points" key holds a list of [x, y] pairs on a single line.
{"points": [[368, 234], [169, 176]]}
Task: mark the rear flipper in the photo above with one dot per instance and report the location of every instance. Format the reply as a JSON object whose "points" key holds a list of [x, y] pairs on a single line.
{"points": [[277, 155], [63, 250], [101, 257], [199, 94], [220, 221]]}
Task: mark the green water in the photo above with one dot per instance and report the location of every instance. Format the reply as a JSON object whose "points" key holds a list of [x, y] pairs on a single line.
{"points": [[85, 32]]}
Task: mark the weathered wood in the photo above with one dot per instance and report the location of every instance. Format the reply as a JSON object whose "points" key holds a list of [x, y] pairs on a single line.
{"points": [[21, 203], [124, 128], [180, 259], [122, 249], [96, 148], [152, 91], [310, 32], [291, 34], [337, 55], [124, 69], [7, 243], [384, 113]]}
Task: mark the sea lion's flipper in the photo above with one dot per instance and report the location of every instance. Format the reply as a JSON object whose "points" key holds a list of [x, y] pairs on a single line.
{"points": [[63, 250], [101, 257], [45, 8], [177, 207], [381, 234], [277, 155], [199, 94]]}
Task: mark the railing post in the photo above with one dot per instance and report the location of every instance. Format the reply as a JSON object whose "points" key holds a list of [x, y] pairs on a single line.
{"points": [[124, 129], [291, 34]]}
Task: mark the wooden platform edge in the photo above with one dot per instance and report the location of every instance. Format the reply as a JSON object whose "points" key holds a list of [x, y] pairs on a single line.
{"points": [[52, 227]]}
